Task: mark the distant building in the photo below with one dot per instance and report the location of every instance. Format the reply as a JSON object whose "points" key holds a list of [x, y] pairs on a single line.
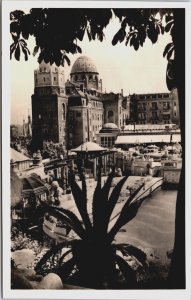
{"points": [[107, 135], [155, 108]]}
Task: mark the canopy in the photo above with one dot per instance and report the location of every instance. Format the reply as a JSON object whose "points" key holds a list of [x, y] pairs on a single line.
{"points": [[89, 147], [176, 138], [142, 139]]}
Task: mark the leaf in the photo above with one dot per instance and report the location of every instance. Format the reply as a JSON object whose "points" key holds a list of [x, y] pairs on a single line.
{"points": [[126, 270], [132, 250], [65, 57], [169, 25], [78, 49], [25, 53], [65, 270], [127, 39], [69, 218], [170, 53], [81, 201], [152, 32], [136, 44], [17, 52], [49, 253], [25, 35], [119, 36], [63, 256], [36, 49], [80, 34], [12, 49], [167, 48], [89, 34], [114, 197]]}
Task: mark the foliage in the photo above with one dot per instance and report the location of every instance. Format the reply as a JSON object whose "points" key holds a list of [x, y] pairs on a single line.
{"points": [[57, 31], [21, 241], [96, 261]]}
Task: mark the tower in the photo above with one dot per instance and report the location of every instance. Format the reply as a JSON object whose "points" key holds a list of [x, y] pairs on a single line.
{"points": [[49, 106], [84, 102]]}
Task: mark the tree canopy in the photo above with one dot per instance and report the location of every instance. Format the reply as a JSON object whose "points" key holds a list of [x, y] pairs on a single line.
{"points": [[57, 31]]}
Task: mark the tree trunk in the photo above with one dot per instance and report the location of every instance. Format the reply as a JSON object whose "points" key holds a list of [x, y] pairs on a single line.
{"points": [[177, 271]]}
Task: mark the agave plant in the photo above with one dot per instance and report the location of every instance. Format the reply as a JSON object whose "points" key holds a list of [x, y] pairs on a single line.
{"points": [[94, 257]]}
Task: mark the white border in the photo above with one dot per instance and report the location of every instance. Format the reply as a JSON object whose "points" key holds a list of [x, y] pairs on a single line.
{"points": [[6, 84]]}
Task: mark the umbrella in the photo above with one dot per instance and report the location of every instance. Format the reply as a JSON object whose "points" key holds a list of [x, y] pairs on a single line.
{"points": [[33, 185]]}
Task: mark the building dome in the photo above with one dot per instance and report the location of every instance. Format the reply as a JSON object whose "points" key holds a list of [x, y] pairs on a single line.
{"points": [[109, 127], [83, 64]]}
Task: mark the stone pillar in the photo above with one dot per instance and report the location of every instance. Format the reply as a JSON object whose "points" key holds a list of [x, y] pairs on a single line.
{"points": [[95, 168]]}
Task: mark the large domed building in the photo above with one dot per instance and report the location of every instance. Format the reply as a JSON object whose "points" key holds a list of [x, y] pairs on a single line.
{"points": [[85, 74], [74, 112]]}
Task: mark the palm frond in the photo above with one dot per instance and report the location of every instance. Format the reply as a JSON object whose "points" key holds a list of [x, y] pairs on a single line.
{"points": [[128, 212], [97, 199], [127, 249], [51, 252], [126, 270], [66, 269], [69, 218], [100, 204], [63, 256], [80, 200], [114, 198]]}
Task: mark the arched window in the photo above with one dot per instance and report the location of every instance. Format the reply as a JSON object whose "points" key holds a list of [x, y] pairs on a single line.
{"points": [[90, 77]]}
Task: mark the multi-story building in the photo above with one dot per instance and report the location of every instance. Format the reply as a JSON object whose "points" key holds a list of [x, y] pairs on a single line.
{"points": [[155, 108], [49, 106]]}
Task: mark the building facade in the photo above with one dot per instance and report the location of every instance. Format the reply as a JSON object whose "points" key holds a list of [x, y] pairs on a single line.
{"points": [[49, 106], [73, 112], [155, 108]]}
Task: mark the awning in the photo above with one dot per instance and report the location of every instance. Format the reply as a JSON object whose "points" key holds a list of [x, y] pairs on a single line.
{"points": [[142, 139], [176, 138]]}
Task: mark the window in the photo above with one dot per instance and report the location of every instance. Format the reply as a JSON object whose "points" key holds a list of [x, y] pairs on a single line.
{"points": [[44, 79], [110, 113], [166, 105], [63, 111], [78, 114], [154, 105], [175, 114], [174, 103], [54, 78]]}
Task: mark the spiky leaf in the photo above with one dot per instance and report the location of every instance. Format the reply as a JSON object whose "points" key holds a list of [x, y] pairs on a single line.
{"points": [[81, 201], [126, 270], [51, 252]]}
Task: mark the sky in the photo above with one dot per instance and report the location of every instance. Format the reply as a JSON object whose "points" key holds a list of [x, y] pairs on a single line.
{"points": [[119, 67]]}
